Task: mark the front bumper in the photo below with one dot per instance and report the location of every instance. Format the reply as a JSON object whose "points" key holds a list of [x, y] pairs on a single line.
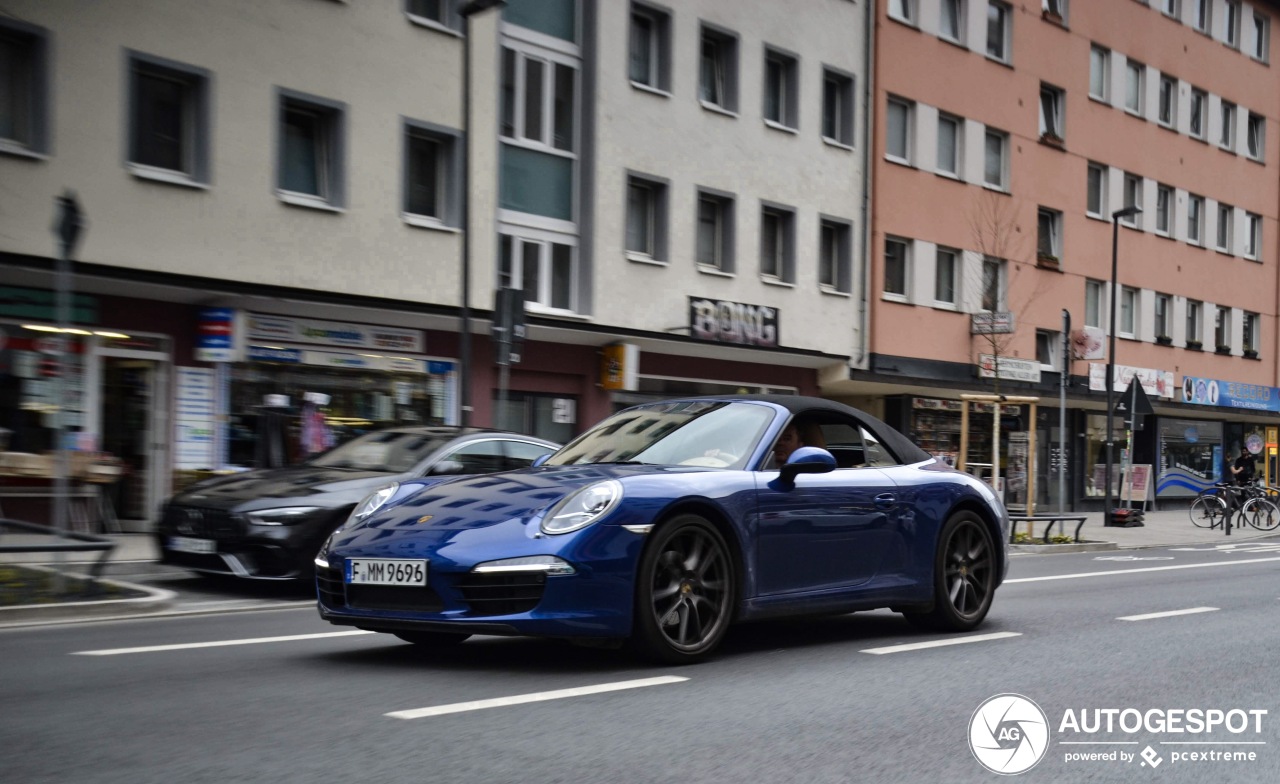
{"points": [[241, 549]]}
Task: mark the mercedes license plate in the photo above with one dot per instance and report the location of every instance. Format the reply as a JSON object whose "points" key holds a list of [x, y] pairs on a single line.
{"points": [[386, 571], [187, 544]]}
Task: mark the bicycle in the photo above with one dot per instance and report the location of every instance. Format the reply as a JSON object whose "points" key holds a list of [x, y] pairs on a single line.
{"points": [[1256, 505]]}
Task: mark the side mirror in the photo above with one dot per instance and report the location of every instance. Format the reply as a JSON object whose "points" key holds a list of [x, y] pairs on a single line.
{"points": [[446, 468], [540, 459], [807, 460]]}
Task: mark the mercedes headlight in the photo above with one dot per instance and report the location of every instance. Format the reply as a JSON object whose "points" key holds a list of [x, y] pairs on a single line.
{"points": [[370, 504], [583, 508], [286, 515]]}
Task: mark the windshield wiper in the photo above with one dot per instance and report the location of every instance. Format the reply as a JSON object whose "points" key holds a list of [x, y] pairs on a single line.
{"points": [[622, 462]]}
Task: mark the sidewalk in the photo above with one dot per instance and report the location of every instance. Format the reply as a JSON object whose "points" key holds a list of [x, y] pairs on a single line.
{"points": [[1165, 528]]}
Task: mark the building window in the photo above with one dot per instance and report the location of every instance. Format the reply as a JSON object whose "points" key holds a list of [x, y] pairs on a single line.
{"points": [[543, 269], [1261, 37], [1231, 25], [1222, 329], [1227, 139], [835, 262], [169, 117], [432, 167], [951, 21], [781, 89], [1051, 112], [1134, 84], [1203, 16], [1048, 349], [1199, 108], [1252, 235], [538, 100], [24, 100], [1093, 303], [434, 13], [1257, 136], [902, 10], [1225, 212], [837, 107], [898, 130], [995, 162], [949, 129], [1099, 73], [944, 282], [311, 149], [1096, 200], [896, 260], [1252, 338], [646, 218], [1049, 235], [1128, 312], [1170, 8], [1055, 9], [1163, 317], [715, 231], [1168, 113], [1164, 202], [1195, 219], [999, 19], [1132, 197], [778, 244], [718, 69], [992, 284], [649, 62], [1194, 321]]}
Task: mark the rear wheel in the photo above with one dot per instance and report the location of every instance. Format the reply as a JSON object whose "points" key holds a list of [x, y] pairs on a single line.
{"points": [[1207, 511], [1261, 513], [684, 592], [964, 576], [433, 639]]}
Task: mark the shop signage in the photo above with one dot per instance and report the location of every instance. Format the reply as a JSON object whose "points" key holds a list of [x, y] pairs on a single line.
{"points": [[214, 335], [1008, 368], [987, 323], [723, 321], [938, 404], [286, 329], [194, 423], [1154, 382], [41, 305], [1088, 343], [619, 363], [270, 354], [438, 368], [1229, 394], [362, 362]]}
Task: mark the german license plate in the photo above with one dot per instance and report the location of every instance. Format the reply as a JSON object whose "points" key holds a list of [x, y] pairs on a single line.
{"points": [[187, 544], [386, 571]]}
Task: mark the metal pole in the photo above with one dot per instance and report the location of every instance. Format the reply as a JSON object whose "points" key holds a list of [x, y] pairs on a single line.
{"points": [[464, 328], [1062, 411], [1111, 369]]}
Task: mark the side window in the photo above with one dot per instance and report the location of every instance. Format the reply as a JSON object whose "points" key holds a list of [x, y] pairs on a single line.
{"points": [[844, 442], [479, 457], [521, 454], [877, 455]]}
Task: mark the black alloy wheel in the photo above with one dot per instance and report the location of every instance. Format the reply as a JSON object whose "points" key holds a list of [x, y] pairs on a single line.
{"points": [[964, 576], [684, 592]]}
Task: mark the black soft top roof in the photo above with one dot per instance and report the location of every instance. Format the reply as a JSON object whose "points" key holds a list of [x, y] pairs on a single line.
{"points": [[902, 446]]}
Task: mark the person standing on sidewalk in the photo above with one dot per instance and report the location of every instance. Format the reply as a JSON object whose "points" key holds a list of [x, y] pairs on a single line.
{"points": [[1244, 468]]}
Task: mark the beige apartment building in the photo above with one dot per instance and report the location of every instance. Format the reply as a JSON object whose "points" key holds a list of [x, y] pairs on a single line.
{"points": [[1007, 135]]}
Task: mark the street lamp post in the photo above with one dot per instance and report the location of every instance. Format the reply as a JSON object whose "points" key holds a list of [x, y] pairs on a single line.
{"points": [[1127, 212], [467, 11]]}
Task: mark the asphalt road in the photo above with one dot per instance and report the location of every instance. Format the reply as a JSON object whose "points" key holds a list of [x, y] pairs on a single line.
{"points": [[277, 695]]}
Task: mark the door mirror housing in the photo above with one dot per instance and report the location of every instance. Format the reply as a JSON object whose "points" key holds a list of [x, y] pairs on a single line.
{"points": [[807, 460], [446, 468]]}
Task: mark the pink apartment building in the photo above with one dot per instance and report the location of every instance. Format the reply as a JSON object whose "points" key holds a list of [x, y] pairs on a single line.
{"points": [[1005, 137]]}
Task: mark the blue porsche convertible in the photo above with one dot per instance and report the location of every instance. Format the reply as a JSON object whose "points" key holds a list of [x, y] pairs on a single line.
{"points": [[668, 522]]}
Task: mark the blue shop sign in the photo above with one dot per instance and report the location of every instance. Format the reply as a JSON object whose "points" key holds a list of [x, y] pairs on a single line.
{"points": [[265, 354], [1229, 394]]}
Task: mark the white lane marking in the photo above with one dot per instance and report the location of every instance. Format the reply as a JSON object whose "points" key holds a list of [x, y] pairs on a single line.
{"points": [[917, 646], [216, 644], [1137, 571], [542, 696], [1169, 614]]}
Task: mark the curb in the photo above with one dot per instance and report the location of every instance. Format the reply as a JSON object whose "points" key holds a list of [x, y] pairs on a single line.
{"points": [[1074, 547], [156, 600]]}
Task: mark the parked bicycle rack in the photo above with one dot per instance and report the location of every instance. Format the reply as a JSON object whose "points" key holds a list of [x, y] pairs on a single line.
{"points": [[1048, 529]]}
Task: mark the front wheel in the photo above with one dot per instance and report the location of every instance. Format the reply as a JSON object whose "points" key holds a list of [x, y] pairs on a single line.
{"points": [[964, 576], [1261, 513], [684, 592], [1207, 511]]}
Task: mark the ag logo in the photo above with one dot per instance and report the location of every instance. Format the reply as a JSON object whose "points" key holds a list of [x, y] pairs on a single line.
{"points": [[1008, 734]]}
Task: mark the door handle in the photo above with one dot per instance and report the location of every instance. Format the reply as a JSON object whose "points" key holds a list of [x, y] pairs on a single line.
{"points": [[885, 500]]}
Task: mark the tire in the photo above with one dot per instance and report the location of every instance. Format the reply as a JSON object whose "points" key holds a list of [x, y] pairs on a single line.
{"points": [[685, 592], [1207, 511], [964, 576], [1261, 513], [433, 639]]}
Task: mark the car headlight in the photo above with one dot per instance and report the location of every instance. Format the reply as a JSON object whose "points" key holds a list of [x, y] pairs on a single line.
{"points": [[542, 564], [286, 515], [583, 508], [372, 503]]}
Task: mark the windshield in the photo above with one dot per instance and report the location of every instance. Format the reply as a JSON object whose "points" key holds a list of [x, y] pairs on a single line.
{"points": [[392, 451], [691, 433]]}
